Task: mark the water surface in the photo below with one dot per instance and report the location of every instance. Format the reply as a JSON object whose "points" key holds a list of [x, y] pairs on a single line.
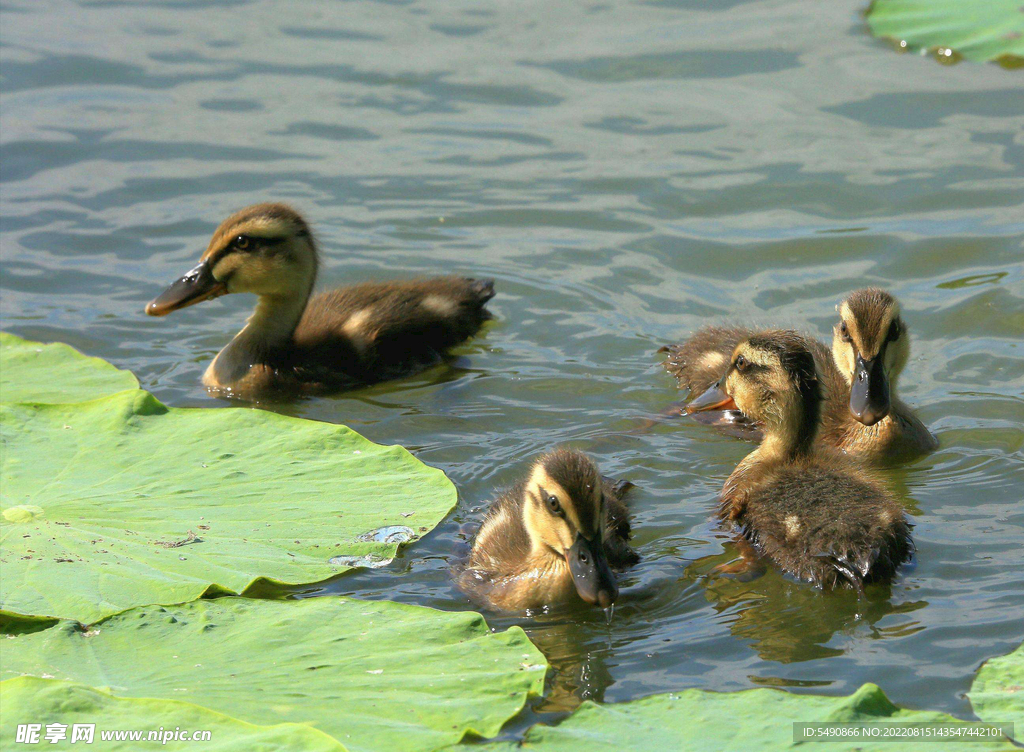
{"points": [[626, 172]]}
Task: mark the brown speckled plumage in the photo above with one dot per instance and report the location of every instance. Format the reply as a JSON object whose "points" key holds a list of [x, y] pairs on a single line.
{"points": [[820, 520], [397, 335], [689, 362]]}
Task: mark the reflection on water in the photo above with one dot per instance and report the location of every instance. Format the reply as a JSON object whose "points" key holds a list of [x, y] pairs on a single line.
{"points": [[626, 172], [578, 672], [786, 621]]}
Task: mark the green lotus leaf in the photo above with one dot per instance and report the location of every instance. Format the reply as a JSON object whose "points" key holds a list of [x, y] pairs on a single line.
{"points": [[121, 501], [44, 701], [979, 30], [997, 693], [698, 720], [374, 675], [34, 372]]}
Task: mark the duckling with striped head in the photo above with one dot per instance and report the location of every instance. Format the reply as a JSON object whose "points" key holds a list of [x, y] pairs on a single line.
{"points": [[554, 538], [299, 342]]}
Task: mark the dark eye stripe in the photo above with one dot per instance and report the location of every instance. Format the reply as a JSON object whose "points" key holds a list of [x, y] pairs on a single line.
{"points": [[255, 243], [895, 329]]}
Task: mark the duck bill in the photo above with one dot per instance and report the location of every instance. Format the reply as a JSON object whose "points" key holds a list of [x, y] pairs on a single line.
{"points": [[590, 572], [869, 392], [195, 287], [714, 398]]}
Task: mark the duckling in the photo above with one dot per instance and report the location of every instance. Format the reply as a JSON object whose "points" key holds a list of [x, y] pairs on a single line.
{"points": [[870, 347], [551, 539], [861, 414], [353, 335], [806, 507]]}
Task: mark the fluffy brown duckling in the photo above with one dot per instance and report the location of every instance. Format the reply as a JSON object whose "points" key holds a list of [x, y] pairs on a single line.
{"points": [[861, 413], [806, 507], [552, 539], [870, 347], [298, 342]]}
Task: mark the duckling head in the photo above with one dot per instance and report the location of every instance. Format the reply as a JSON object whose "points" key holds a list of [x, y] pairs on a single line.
{"points": [[771, 378], [564, 513], [870, 345], [265, 249]]}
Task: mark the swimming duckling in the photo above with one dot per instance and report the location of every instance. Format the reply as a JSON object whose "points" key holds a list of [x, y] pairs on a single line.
{"points": [[861, 413], [552, 538], [358, 334], [806, 507], [870, 347]]}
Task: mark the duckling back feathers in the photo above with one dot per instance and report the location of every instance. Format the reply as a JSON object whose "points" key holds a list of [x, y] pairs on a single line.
{"points": [[699, 362], [819, 521], [373, 331]]}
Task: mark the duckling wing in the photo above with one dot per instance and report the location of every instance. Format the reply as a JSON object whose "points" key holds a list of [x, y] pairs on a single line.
{"points": [[373, 331], [432, 314], [617, 528], [828, 527]]}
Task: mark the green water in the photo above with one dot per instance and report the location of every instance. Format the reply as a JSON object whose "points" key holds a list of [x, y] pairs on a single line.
{"points": [[626, 172]]}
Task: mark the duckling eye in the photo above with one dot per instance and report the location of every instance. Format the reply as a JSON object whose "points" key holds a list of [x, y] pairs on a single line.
{"points": [[894, 331], [742, 364], [553, 505], [242, 242], [844, 332]]}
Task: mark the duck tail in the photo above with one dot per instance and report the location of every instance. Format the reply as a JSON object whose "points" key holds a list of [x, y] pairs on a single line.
{"points": [[482, 288]]}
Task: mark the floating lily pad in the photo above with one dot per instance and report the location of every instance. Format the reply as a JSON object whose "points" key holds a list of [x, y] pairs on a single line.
{"points": [[997, 693], [43, 701], [373, 675], [697, 720], [121, 501], [34, 372], [979, 30]]}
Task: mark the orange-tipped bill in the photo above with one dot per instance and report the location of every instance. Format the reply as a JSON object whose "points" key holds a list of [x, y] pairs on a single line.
{"points": [[714, 398], [195, 287]]}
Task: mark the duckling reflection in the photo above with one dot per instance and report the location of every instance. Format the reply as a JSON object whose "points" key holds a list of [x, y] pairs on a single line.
{"points": [[807, 508], [861, 414], [788, 622], [353, 335], [553, 539], [578, 668]]}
